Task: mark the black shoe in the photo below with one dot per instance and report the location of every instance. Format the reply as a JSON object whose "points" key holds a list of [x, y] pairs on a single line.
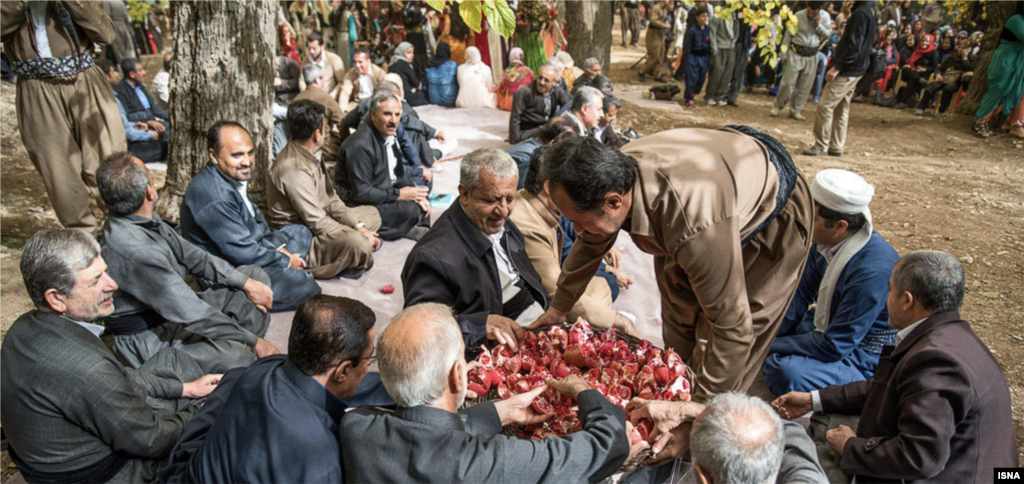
{"points": [[660, 79], [643, 78], [733, 104], [352, 273], [416, 233], [813, 152], [837, 154]]}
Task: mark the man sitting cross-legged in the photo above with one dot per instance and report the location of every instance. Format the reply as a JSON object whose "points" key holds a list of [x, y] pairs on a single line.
{"points": [[221, 328], [300, 192], [71, 411]]}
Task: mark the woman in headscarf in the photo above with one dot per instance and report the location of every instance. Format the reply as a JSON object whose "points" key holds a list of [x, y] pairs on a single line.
{"points": [[1005, 82], [922, 62], [476, 87], [945, 47], [909, 45], [442, 84], [517, 75], [401, 64]]}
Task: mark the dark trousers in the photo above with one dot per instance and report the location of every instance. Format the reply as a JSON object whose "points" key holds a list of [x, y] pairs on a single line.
{"points": [[399, 217], [696, 72], [293, 287], [150, 151], [738, 74], [948, 91], [914, 85], [5, 67]]}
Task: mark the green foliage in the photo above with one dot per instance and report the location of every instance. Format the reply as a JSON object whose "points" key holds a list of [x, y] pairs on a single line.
{"points": [[758, 14], [498, 13], [138, 10]]}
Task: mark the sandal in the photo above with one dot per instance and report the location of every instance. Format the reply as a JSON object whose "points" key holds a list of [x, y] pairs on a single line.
{"points": [[982, 129]]}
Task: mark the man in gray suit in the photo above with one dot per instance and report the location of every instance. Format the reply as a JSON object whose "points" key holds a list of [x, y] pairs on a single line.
{"points": [[423, 368], [72, 412]]}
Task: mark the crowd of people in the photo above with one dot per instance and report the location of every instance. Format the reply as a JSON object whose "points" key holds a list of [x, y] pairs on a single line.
{"points": [[145, 357]]}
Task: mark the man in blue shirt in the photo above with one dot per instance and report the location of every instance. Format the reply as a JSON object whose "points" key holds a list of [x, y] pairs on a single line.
{"points": [[277, 421], [838, 341], [138, 103], [148, 145]]}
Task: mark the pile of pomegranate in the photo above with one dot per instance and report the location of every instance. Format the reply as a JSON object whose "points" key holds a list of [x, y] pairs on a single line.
{"points": [[610, 366]]}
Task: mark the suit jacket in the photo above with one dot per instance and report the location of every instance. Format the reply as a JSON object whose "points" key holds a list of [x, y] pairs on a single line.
{"points": [[134, 107], [543, 238], [214, 217], [286, 69], [333, 75], [350, 86], [334, 115], [937, 410], [454, 265], [426, 444], [528, 109], [361, 175], [69, 406], [611, 138]]}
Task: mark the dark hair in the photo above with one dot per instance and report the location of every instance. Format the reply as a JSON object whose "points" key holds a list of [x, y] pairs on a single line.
{"points": [[935, 278], [122, 184], [129, 65], [555, 128], [588, 170], [168, 60], [361, 50], [315, 37], [698, 11], [855, 221], [814, 5], [105, 65], [602, 83], [611, 100], [327, 331], [305, 117], [51, 260], [534, 177], [213, 134]]}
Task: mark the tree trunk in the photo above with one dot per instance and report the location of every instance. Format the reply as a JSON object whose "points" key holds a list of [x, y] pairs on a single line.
{"points": [[223, 69], [590, 31], [997, 13]]}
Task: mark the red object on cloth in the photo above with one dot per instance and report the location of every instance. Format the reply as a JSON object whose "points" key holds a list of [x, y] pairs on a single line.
{"points": [[387, 288]]}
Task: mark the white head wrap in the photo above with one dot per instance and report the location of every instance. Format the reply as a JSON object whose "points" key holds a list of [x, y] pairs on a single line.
{"points": [[844, 192]]}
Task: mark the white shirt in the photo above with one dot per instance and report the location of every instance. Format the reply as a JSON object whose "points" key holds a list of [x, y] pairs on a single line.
{"points": [[162, 85], [318, 63], [38, 12], [92, 328], [245, 197], [598, 132], [365, 87], [508, 277], [501, 257], [389, 148]]}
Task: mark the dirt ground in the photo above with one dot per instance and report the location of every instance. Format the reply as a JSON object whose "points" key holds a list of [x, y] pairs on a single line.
{"points": [[937, 187]]}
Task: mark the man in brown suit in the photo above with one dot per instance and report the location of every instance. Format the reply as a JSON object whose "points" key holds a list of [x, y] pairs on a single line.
{"points": [[312, 75], [727, 218], [655, 40], [938, 408], [359, 80], [331, 66], [300, 193], [66, 111]]}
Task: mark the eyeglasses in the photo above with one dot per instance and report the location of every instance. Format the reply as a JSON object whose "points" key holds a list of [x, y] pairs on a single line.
{"points": [[372, 357]]}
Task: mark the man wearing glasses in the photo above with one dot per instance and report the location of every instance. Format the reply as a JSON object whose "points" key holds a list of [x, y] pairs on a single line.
{"points": [[534, 105], [277, 420]]}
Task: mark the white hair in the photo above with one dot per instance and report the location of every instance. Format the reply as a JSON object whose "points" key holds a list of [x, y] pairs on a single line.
{"points": [[496, 161], [311, 72], [416, 374], [739, 439]]}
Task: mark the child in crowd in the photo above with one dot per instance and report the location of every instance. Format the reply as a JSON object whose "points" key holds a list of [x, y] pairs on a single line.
{"points": [[697, 54]]}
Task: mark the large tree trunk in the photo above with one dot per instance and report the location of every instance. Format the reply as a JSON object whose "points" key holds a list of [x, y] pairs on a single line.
{"points": [[590, 31], [997, 13], [223, 69]]}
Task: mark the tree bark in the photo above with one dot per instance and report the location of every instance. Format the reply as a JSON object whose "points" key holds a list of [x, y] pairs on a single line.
{"points": [[590, 31], [223, 69], [997, 13]]}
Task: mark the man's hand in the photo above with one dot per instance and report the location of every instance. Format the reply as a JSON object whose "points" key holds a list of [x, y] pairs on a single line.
{"points": [[156, 126], [613, 259], [622, 324], [440, 136], [413, 194], [676, 447], [201, 387], [296, 262], [570, 386], [837, 438], [139, 125], [550, 317], [265, 348], [277, 81], [621, 278], [938, 77], [372, 237], [504, 331], [260, 294], [517, 410], [667, 416], [831, 74], [427, 175], [424, 206], [793, 405]]}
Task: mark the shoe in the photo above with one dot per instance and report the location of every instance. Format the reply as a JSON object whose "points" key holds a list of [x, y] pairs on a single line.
{"points": [[774, 112], [940, 114], [982, 129], [690, 103], [919, 112], [814, 152], [660, 79], [797, 116], [643, 78], [901, 106], [733, 104], [711, 102], [416, 233], [836, 154], [816, 100]]}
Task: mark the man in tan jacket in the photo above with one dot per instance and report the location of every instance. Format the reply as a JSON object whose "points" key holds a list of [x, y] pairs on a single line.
{"points": [[725, 215], [66, 111], [312, 75], [331, 66], [299, 192], [359, 80]]}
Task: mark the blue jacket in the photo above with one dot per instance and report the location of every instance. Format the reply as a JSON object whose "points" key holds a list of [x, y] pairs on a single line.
{"points": [[442, 84], [214, 217], [857, 308], [697, 41]]}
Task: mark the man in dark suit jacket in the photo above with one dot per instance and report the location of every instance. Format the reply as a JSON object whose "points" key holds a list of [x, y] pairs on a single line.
{"points": [[137, 101], [217, 215], [938, 407], [534, 105], [72, 412], [474, 258], [427, 440]]}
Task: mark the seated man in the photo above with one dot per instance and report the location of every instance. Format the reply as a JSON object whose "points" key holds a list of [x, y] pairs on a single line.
{"points": [[299, 192], [474, 259], [71, 411], [523, 151], [277, 421], [370, 171], [734, 438], [332, 112], [938, 407], [331, 66], [137, 101], [586, 111], [838, 341], [149, 145], [358, 82], [221, 328], [591, 69], [536, 217], [422, 365], [534, 105], [605, 130], [217, 215], [161, 84]]}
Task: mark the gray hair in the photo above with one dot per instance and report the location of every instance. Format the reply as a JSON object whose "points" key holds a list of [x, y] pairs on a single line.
{"points": [[417, 374], [51, 260], [611, 100], [381, 98], [385, 86], [496, 161], [311, 72], [591, 62], [935, 278], [122, 184], [586, 96], [553, 68], [738, 439]]}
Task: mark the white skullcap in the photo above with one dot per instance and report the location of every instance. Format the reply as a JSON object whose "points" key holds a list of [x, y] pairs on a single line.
{"points": [[842, 191]]}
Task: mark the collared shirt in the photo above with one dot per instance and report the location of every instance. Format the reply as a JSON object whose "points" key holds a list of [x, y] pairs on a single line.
{"points": [[829, 252], [129, 127], [389, 149], [365, 87], [547, 103], [599, 132], [92, 328], [143, 98], [241, 187], [319, 63], [903, 333], [501, 257], [38, 11]]}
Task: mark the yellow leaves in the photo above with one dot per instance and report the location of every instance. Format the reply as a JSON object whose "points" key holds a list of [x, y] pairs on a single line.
{"points": [[472, 14], [500, 16], [784, 49], [436, 4]]}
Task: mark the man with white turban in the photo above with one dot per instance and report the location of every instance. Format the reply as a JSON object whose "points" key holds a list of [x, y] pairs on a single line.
{"points": [[837, 323]]}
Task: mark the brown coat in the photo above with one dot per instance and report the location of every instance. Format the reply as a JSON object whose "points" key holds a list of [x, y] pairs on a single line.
{"points": [[334, 117], [333, 75], [698, 194], [937, 410], [350, 86], [543, 239]]}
